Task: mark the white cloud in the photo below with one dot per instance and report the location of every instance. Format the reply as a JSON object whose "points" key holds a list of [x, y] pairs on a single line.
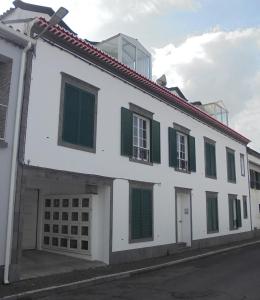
{"points": [[218, 66]]}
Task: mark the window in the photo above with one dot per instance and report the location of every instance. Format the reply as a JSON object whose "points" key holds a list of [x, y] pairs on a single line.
{"points": [[78, 114], [235, 220], [255, 179], [231, 167], [141, 214], [182, 151], [5, 81], [242, 164], [210, 158], [245, 207], [141, 134], [212, 212], [182, 154]]}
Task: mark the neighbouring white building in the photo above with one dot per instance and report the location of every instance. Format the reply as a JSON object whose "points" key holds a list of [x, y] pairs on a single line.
{"points": [[116, 167], [254, 171]]}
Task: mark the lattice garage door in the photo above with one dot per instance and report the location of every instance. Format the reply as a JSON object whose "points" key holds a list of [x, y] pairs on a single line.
{"points": [[66, 223]]}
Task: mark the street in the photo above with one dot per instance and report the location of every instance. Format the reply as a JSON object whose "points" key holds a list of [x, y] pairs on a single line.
{"points": [[230, 276]]}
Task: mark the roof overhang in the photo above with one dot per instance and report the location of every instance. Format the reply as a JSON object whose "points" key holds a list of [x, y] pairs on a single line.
{"points": [[13, 36]]}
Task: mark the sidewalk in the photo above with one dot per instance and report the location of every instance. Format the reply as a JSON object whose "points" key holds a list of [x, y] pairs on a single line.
{"points": [[25, 289]]}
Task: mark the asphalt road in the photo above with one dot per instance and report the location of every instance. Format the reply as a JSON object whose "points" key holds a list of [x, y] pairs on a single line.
{"points": [[231, 276]]}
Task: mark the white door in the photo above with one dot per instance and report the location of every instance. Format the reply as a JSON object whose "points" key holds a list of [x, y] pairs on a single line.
{"points": [[183, 217], [30, 213]]}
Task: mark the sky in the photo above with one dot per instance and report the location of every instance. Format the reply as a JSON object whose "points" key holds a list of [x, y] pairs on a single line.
{"points": [[210, 49]]}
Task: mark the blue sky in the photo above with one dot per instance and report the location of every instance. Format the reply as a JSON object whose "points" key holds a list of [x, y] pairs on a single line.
{"points": [[209, 48]]}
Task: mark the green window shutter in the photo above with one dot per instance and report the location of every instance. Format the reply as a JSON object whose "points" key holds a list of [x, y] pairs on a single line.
{"points": [[126, 132], [147, 218], [209, 215], [210, 159], [192, 153], [172, 147], [212, 214], [238, 211], [155, 142], [86, 119], [215, 213], [71, 111], [231, 169], [213, 159], [136, 214], [207, 159], [245, 207], [231, 213]]}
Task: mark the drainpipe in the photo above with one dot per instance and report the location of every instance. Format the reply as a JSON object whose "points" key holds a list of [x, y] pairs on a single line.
{"points": [[13, 175]]}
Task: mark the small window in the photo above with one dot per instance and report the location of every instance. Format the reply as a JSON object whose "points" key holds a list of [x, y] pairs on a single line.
{"points": [[141, 138], [182, 151], [242, 164], [78, 114], [235, 220], [245, 207], [5, 82], [259, 208], [212, 212], [231, 166], [210, 159], [141, 214]]}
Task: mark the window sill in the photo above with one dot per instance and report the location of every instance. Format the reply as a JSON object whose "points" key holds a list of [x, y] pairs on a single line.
{"points": [[182, 171], [232, 181], [76, 147], [3, 144], [141, 240], [140, 161], [211, 177], [212, 232]]}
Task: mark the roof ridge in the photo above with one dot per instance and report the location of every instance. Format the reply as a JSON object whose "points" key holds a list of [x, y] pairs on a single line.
{"points": [[7, 12], [57, 30]]}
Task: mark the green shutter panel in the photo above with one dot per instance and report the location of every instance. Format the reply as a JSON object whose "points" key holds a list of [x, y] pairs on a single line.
{"points": [[86, 119], [215, 213], [172, 147], [238, 211], [213, 160], [71, 109], [207, 159], [136, 214], [126, 132], [192, 154], [233, 167], [231, 213], [147, 218], [155, 142], [209, 215]]}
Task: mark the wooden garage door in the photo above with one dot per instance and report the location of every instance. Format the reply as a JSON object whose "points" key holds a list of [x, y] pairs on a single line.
{"points": [[66, 223]]}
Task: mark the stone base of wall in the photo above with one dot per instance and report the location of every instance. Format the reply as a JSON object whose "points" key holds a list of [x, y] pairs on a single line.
{"points": [[222, 240], [143, 253]]}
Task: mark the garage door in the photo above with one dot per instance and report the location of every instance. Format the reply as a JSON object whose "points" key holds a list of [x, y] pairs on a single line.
{"points": [[66, 223]]}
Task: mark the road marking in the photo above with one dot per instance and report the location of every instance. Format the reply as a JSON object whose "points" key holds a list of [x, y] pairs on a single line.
{"points": [[128, 273]]}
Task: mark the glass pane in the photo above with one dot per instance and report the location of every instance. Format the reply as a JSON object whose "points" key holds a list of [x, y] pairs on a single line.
{"points": [[46, 227], [143, 63], [85, 202], [84, 216], [46, 240], [55, 228], [74, 230], [47, 215], [65, 216], [128, 54], [55, 241], [75, 202], [84, 245], [63, 242], [74, 216], [47, 202], [73, 244], [84, 230], [56, 202], [56, 215], [65, 202], [64, 229]]}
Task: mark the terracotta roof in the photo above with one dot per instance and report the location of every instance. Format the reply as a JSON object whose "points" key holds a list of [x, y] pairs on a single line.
{"points": [[110, 63]]}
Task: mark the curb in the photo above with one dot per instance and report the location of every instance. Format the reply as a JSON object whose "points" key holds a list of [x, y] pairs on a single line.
{"points": [[125, 274]]}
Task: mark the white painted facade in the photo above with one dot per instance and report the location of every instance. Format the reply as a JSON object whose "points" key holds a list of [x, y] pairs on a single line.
{"points": [[42, 150], [254, 164]]}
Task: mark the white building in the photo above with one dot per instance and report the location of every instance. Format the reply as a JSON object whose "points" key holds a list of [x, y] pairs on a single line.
{"points": [[117, 168], [254, 168]]}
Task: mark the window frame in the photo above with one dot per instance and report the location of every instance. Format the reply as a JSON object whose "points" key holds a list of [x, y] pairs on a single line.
{"points": [[231, 151], [9, 63], [142, 186], [234, 200], [209, 196], [148, 138], [211, 142], [80, 84], [245, 207], [242, 164], [180, 134]]}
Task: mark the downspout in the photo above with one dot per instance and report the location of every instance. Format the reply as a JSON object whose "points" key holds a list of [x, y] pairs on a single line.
{"points": [[13, 175]]}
